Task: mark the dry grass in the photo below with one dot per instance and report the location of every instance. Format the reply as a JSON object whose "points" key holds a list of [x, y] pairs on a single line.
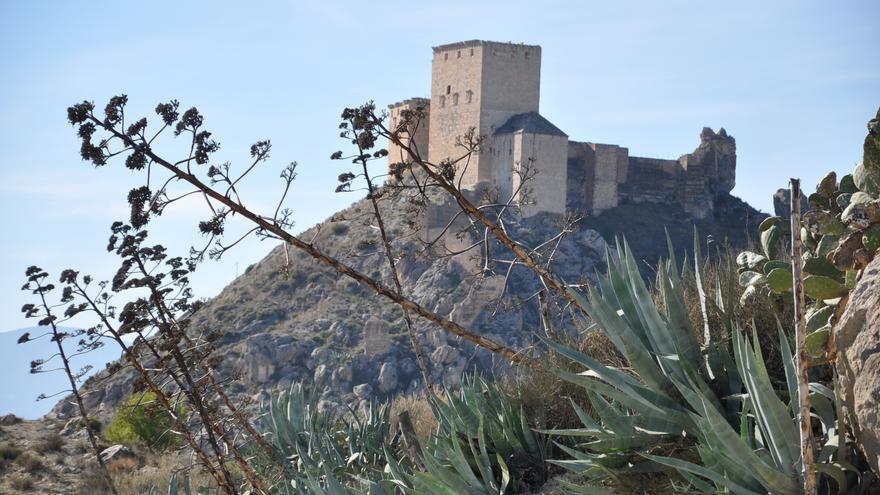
{"points": [[759, 312], [420, 413], [157, 472]]}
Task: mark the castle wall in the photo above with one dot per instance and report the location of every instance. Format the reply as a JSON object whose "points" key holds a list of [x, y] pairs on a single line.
{"points": [[416, 133], [503, 150], [494, 89], [610, 163], [547, 157]]}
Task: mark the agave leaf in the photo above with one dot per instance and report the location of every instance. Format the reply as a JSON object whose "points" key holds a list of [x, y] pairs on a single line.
{"points": [[719, 479], [629, 399], [631, 347], [671, 262], [791, 379], [586, 489], [773, 418], [698, 274], [837, 473]]}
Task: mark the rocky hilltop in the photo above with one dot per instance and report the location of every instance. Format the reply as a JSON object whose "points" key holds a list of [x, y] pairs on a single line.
{"points": [[288, 319]]}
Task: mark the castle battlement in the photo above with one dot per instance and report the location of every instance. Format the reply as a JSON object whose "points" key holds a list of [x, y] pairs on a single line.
{"points": [[494, 88]]}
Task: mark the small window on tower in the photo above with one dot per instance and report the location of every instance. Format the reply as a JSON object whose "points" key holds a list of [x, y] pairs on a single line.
{"points": [[458, 54], [455, 99], [472, 52], [527, 54], [469, 96], [442, 101], [448, 89]]}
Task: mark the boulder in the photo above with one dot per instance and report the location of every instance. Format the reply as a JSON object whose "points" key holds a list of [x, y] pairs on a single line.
{"points": [[387, 377], [70, 427], [9, 419], [363, 391], [319, 355], [857, 335], [343, 373], [782, 203], [327, 405], [444, 354], [115, 453], [322, 373]]}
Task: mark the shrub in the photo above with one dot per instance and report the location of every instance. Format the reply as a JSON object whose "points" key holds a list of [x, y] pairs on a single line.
{"points": [[22, 483], [29, 462], [142, 420], [51, 443], [340, 228], [9, 452]]}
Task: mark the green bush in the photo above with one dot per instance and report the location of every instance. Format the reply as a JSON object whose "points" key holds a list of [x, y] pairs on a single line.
{"points": [[142, 420]]}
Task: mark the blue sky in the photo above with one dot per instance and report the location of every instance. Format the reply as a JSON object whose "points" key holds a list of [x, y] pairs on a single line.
{"points": [[794, 82]]}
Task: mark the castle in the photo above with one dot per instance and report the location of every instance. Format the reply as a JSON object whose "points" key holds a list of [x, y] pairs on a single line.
{"points": [[494, 88]]}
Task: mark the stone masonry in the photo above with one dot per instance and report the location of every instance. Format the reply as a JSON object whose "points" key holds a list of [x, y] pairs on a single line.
{"points": [[493, 89]]}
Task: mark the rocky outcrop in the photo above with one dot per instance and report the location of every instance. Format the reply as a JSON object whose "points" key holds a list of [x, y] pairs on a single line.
{"points": [[116, 453], [857, 335], [782, 203]]}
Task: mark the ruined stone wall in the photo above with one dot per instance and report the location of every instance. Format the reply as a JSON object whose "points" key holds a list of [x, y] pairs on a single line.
{"points": [[581, 168], [651, 180], [414, 134]]}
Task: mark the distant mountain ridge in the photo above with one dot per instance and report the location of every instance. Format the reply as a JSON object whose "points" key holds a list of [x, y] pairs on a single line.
{"points": [[20, 388]]}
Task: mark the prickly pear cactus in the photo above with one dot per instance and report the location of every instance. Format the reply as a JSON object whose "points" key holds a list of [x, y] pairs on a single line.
{"points": [[841, 234]]}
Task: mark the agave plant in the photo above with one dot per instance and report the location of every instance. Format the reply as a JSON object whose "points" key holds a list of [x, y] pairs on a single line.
{"points": [[718, 404], [322, 449], [484, 445]]}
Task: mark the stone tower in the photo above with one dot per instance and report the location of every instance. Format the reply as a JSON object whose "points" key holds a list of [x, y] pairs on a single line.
{"points": [[415, 135], [479, 84]]}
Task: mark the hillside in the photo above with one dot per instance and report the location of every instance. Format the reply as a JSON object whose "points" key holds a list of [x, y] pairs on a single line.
{"points": [[283, 321]]}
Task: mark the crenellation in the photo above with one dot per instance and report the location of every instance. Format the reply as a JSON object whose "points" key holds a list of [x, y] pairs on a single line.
{"points": [[494, 89]]}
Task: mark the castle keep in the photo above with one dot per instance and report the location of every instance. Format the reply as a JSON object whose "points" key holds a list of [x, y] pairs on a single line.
{"points": [[494, 88]]}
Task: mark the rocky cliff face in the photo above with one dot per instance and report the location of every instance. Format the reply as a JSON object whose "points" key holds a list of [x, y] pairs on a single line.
{"points": [[289, 319], [857, 336]]}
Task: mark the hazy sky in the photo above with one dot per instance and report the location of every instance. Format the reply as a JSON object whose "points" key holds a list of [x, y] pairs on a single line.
{"points": [[794, 82]]}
